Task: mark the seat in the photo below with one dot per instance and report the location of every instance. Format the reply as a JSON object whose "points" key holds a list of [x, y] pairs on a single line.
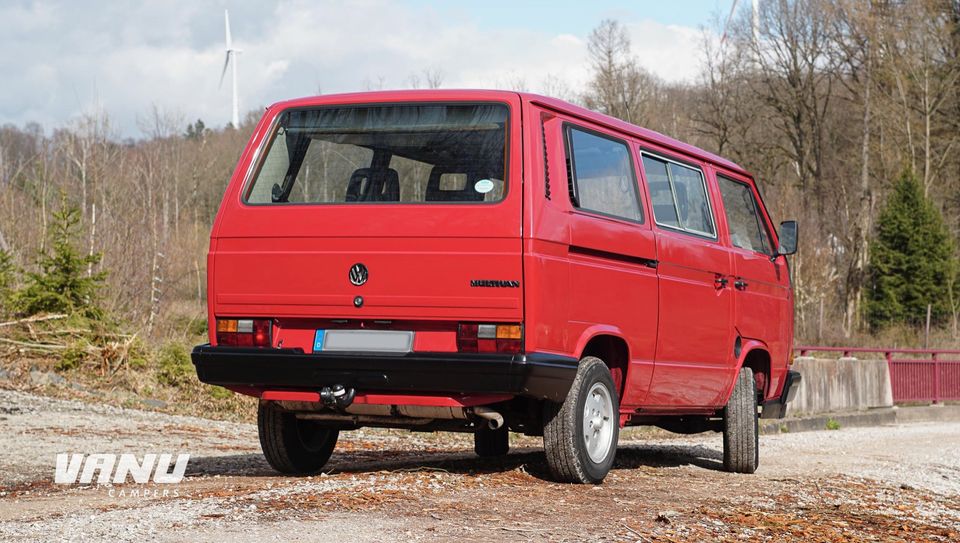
{"points": [[373, 185], [466, 194]]}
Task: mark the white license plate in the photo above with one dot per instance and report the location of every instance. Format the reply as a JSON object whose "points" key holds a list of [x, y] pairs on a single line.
{"points": [[386, 341]]}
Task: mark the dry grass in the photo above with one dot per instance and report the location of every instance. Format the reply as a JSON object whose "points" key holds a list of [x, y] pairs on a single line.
{"points": [[65, 357]]}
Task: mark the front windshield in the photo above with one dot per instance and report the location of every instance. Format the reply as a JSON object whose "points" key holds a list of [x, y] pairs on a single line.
{"points": [[402, 153]]}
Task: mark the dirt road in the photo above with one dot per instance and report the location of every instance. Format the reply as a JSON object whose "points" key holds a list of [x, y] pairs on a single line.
{"points": [[898, 483]]}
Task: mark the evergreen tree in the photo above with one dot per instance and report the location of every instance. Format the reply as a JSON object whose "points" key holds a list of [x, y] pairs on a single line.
{"points": [[911, 259], [8, 277], [195, 131], [62, 284]]}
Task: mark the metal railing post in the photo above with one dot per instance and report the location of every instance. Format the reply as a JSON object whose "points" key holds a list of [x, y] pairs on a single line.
{"points": [[936, 378]]}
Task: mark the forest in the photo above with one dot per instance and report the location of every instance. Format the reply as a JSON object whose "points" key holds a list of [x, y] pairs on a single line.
{"points": [[847, 112]]}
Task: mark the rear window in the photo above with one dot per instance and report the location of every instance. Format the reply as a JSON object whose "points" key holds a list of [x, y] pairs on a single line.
{"points": [[403, 153]]}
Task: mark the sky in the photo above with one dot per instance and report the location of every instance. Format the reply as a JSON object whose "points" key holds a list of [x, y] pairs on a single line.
{"points": [[61, 60]]}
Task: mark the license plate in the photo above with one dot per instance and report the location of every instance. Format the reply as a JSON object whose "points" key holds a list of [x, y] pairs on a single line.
{"points": [[385, 341]]}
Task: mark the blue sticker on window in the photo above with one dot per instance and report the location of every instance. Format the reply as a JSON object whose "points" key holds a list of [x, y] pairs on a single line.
{"points": [[318, 341]]}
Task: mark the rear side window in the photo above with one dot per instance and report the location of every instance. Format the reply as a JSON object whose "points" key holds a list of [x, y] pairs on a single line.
{"points": [[601, 174], [679, 196], [397, 153], [743, 216]]}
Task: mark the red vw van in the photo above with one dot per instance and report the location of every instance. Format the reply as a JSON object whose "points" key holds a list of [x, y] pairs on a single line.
{"points": [[485, 261]]}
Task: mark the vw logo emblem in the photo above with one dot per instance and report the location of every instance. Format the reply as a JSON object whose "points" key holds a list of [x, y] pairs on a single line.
{"points": [[358, 274]]}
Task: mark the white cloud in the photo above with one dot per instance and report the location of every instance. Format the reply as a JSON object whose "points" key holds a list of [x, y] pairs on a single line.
{"points": [[670, 51], [58, 59]]}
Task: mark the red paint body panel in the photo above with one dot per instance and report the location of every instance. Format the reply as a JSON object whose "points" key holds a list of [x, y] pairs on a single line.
{"points": [[391, 399], [582, 275], [290, 396], [695, 335], [430, 401]]}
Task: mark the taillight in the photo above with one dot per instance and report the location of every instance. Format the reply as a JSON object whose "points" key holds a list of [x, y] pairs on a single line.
{"points": [[489, 338], [243, 332]]}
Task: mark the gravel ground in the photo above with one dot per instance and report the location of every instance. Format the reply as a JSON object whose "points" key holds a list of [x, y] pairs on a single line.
{"points": [[897, 483]]}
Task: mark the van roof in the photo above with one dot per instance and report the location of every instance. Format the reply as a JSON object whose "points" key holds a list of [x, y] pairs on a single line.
{"points": [[544, 101]]}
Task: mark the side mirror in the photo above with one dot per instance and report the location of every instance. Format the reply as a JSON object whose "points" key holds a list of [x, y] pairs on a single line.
{"points": [[788, 238]]}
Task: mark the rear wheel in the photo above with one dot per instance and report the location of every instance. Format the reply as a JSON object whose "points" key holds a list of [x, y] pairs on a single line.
{"points": [[580, 435], [488, 443], [741, 435], [291, 445]]}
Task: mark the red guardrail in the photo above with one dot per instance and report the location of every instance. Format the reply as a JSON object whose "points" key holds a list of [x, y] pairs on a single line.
{"points": [[913, 379]]}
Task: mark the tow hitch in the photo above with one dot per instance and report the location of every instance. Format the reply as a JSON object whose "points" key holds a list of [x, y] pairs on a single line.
{"points": [[337, 397]]}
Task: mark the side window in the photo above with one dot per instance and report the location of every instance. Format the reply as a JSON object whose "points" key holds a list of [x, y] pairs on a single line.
{"points": [[601, 174], [743, 217], [658, 179], [679, 196]]}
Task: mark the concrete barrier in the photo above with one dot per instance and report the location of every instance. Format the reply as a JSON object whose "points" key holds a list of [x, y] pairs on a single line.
{"points": [[847, 384]]}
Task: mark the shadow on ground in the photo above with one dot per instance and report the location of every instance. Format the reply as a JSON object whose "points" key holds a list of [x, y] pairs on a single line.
{"points": [[460, 462]]}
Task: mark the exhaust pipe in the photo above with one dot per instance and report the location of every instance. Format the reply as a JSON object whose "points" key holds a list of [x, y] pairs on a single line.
{"points": [[493, 418]]}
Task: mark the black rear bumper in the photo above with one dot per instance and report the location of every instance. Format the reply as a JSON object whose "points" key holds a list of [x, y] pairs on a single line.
{"points": [[533, 375], [777, 408]]}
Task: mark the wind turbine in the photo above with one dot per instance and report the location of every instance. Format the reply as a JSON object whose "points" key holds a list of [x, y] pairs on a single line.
{"points": [[231, 55], [754, 22]]}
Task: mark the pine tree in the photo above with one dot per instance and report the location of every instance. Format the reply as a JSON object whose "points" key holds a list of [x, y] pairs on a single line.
{"points": [[8, 277], [62, 284], [196, 131], [911, 259]]}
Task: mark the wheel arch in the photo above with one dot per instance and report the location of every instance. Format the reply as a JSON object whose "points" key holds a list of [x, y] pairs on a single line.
{"points": [[754, 354], [608, 344]]}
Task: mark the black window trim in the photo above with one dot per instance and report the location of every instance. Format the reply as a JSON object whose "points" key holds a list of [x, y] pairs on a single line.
{"points": [[706, 192], [761, 223], [546, 158], [567, 127], [263, 149]]}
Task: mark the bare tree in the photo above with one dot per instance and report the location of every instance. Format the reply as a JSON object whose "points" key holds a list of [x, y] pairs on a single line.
{"points": [[795, 77], [620, 87], [724, 111], [430, 78], [855, 32], [433, 77], [554, 86], [920, 44]]}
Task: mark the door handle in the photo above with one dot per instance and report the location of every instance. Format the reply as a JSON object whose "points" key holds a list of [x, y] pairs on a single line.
{"points": [[720, 282], [740, 284]]}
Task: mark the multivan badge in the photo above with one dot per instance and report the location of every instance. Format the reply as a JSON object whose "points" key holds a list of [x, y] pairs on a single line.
{"points": [[494, 283]]}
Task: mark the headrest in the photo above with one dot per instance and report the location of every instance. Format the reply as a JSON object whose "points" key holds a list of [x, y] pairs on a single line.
{"points": [[437, 194], [374, 185]]}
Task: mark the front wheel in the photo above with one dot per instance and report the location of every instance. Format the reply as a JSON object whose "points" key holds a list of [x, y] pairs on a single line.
{"points": [[741, 441], [291, 445], [580, 435]]}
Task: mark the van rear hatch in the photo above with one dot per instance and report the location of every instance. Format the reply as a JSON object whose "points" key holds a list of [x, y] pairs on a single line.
{"points": [[399, 215]]}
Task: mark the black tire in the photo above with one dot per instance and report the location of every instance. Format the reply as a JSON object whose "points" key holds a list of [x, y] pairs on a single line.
{"points": [[489, 443], [741, 426], [563, 428], [293, 446]]}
